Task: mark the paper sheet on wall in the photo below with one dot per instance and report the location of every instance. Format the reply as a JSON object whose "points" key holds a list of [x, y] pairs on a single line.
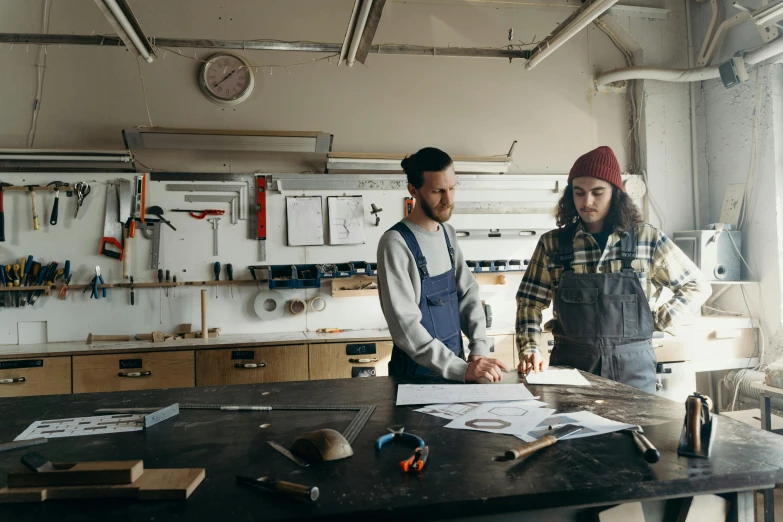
{"points": [[305, 222], [79, 426], [570, 377], [346, 220], [592, 425], [507, 418], [409, 394], [455, 411]]}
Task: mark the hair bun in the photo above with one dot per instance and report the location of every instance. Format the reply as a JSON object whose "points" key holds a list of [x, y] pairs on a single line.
{"points": [[406, 162]]}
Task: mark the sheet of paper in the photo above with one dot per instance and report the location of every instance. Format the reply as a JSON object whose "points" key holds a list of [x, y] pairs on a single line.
{"points": [[508, 418], [592, 425], [304, 220], [409, 394], [346, 220], [565, 377], [79, 426], [455, 411]]}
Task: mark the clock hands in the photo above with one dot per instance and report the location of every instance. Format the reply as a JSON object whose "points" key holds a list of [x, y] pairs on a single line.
{"points": [[227, 77]]}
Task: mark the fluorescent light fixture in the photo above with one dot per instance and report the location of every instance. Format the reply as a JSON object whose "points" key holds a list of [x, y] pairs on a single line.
{"points": [[121, 18], [768, 13], [393, 164], [213, 139], [117, 156]]}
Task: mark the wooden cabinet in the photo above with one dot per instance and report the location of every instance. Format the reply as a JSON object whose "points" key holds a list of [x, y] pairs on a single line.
{"points": [[35, 376], [132, 371], [251, 365], [342, 361]]}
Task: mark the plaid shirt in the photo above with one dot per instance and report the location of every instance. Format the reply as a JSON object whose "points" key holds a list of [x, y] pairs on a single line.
{"points": [[659, 263]]}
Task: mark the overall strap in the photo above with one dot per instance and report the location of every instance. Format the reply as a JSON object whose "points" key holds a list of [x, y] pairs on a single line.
{"points": [[628, 249], [448, 245], [565, 251], [413, 246]]}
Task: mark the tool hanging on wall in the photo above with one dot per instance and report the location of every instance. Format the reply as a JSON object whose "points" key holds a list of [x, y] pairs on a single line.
{"points": [[81, 190], [150, 229], [132, 292], [261, 216], [239, 192], [93, 285], [160, 294], [66, 281], [216, 270], [200, 214], [230, 275], [157, 211], [375, 211], [409, 202], [126, 199], [112, 227], [31, 189], [215, 223], [231, 200], [56, 206], [2, 210], [139, 199]]}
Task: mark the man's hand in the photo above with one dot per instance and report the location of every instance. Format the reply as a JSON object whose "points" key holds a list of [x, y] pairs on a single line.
{"points": [[481, 366], [532, 362]]}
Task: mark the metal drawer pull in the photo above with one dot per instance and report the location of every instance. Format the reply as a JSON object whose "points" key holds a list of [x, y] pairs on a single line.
{"points": [[135, 374], [250, 365], [362, 361], [10, 381]]}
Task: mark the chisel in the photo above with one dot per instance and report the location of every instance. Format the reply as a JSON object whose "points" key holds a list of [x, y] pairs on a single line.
{"points": [[543, 442], [281, 486]]}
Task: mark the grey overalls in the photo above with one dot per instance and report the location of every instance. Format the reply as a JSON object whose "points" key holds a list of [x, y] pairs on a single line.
{"points": [[603, 323]]}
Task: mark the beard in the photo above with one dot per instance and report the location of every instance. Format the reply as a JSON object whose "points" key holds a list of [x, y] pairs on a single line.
{"points": [[440, 213]]}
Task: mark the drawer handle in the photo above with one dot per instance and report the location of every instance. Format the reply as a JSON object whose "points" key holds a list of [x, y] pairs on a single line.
{"points": [[135, 374], [363, 361], [10, 381], [249, 366]]}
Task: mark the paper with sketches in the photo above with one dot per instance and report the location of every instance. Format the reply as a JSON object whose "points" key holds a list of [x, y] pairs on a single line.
{"points": [[78, 426], [564, 377], [346, 220], [508, 418], [452, 393], [455, 411], [304, 220], [592, 425]]}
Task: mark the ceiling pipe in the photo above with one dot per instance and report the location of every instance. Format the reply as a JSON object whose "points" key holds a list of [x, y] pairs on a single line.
{"points": [[361, 22], [570, 27]]}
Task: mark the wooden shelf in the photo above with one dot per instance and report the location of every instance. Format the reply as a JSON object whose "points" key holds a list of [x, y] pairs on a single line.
{"points": [[352, 286], [490, 279]]}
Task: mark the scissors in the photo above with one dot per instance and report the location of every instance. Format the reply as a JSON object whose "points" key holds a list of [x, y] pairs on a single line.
{"points": [[81, 189]]}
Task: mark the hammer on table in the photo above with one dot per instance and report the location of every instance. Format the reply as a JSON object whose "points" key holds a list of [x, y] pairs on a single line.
{"points": [[2, 212], [32, 188], [57, 185]]}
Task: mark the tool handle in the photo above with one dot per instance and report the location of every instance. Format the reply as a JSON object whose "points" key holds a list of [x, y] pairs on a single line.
{"points": [[55, 208], [67, 270], [529, 449], [35, 211], [2, 222], [160, 275], [651, 453], [296, 490], [110, 253], [204, 330], [133, 293], [216, 269], [126, 255], [230, 271], [168, 276]]}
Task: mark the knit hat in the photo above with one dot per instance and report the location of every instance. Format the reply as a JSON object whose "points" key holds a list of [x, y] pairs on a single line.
{"points": [[600, 163]]}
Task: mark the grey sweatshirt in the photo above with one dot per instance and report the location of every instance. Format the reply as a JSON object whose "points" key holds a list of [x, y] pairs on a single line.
{"points": [[399, 289]]}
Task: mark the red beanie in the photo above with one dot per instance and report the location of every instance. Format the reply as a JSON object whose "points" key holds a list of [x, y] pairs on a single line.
{"points": [[600, 163]]}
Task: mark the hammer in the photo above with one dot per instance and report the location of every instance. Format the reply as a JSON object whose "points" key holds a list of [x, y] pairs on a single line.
{"points": [[2, 212], [57, 185], [32, 188]]}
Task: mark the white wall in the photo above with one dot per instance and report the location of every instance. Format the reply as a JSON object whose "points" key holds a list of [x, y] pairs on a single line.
{"points": [[393, 104]]}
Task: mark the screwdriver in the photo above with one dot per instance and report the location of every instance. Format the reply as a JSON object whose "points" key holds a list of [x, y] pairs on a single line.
{"points": [[168, 280], [217, 276], [160, 293], [230, 273], [175, 288], [133, 292]]}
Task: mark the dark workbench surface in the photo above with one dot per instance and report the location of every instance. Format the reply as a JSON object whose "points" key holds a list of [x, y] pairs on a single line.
{"points": [[460, 479]]}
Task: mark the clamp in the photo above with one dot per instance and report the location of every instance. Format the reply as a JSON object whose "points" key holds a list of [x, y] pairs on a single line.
{"points": [[418, 459]]}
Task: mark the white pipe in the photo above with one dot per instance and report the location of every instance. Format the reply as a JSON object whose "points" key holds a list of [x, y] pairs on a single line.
{"points": [[39, 157], [358, 31], [581, 21], [131, 32], [657, 73], [349, 32], [694, 137], [768, 51]]}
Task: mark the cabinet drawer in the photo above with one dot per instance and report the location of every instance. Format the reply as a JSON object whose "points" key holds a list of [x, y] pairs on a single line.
{"points": [[42, 376], [706, 345], [273, 364], [343, 361], [119, 372]]}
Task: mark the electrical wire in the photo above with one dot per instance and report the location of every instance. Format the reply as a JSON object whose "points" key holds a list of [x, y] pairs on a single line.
{"points": [[40, 67], [144, 90]]}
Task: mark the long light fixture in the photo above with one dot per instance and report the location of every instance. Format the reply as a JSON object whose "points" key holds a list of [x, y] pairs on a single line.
{"points": [[768, 13], [214, 139], [27, 160], [121, 18], [363, 24]]}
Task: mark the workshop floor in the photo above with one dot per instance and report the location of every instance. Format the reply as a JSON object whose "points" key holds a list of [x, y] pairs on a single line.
{"points": [[778, 505]]}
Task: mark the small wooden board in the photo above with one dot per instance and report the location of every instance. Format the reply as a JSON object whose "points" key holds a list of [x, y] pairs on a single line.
{"points": [[154, 484], [79, 473]]}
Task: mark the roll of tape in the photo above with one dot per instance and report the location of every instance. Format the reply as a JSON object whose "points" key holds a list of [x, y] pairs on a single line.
{"points": [[321, 307], [297, 306], [269, 305]]}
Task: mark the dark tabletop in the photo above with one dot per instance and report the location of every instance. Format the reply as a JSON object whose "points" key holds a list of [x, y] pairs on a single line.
{"points": [[460, 478]]}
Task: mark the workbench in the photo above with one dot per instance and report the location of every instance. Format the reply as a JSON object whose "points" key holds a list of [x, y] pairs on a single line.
{"points": [[460, 479]]}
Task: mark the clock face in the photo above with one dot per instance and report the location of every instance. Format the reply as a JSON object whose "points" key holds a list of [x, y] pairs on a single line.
{"points": [[226, 79]]}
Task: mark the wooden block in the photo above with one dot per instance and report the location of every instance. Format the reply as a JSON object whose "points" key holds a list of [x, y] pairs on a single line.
{"points": [[190, 336], [80, 473], [158, 337], [153, 484], [184, 328], [630, 512]]}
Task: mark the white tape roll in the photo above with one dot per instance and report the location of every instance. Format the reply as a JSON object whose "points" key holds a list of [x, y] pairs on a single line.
{"points": [[269, 305], [317, 304], [297, 306]]}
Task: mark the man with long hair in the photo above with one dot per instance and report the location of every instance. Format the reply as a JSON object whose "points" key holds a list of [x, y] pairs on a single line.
{"points": [[603, 267], [427, 292]]}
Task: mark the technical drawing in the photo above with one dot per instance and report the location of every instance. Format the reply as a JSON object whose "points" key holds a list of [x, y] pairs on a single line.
{"points": [[487, 424], [501, 411]]}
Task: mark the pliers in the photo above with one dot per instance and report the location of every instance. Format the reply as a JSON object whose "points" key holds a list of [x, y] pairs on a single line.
{"points": [[94, 284], [418, 459]]}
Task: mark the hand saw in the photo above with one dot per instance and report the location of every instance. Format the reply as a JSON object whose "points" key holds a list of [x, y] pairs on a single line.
{"points": [[112, 227]]}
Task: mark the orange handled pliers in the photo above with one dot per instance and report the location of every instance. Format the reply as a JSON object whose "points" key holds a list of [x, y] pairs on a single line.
{"points": [[418, 459], [200, 214]]}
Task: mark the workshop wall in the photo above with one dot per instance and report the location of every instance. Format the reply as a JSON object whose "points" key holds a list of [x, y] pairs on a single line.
{"points": [[393, 104]]}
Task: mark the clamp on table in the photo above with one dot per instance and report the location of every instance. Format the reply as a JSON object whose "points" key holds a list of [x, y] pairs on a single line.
{"points": [[418, 459]]}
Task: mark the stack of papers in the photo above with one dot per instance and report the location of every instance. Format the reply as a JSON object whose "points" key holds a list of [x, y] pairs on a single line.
{"points": [[570, 377]]}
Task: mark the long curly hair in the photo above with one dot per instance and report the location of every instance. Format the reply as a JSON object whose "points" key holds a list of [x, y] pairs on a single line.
{"points": [[623, 213]]}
